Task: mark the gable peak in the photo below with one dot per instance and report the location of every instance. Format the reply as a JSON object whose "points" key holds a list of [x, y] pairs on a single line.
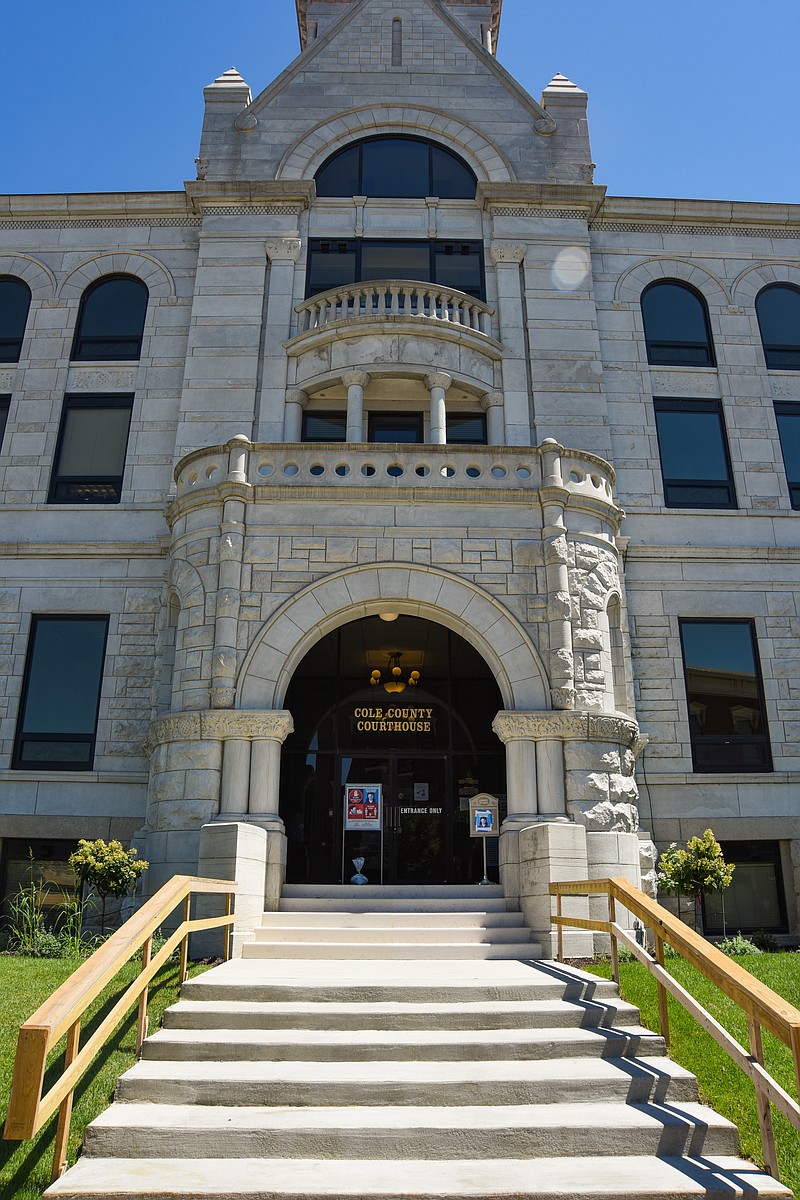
{"points": [[480, 17]]}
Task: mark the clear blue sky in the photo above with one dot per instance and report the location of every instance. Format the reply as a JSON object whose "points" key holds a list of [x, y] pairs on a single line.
{"points": [[691, 98]]}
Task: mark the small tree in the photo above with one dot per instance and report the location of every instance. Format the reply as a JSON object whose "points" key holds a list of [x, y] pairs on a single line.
{"points": [[107, 867], [695, 871]]}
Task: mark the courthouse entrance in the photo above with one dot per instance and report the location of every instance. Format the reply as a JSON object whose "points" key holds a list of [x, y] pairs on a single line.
{"points": [[398, 713]]}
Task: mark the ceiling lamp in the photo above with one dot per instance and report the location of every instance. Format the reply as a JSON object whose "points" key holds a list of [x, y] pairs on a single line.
{"points": [[395, 684], [388, 616]]}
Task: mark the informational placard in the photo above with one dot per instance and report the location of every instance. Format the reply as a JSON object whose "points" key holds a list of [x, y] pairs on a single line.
{"points": [[483, 816], [363, 806]]}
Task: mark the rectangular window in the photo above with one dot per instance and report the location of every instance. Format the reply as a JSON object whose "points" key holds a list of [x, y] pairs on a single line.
{"points": [[724, 692], [788, 418], [5, 401], [466, 429], [335, 263], [324, 427], [396, 427], [42, 862], [755, 899], [90, 456], [57, 724], [694, 454]]}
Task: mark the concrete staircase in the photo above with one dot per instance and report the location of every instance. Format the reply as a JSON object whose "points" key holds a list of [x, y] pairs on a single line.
{"points": [[435, 1077], [368, 923]]}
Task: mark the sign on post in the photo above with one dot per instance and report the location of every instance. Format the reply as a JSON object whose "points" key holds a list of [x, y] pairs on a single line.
{"points": [[363, 806], [484, 819]]}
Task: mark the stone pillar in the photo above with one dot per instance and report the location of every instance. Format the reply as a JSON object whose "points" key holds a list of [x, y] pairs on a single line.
{"points": [[492, 404], [553, 853], [507, 258], [556, 558], [268, 733], [437, 384], [231, 547], [550, 778], [235, 777], [355, 382], [611, 855], [293, 416], [514, 730], [283, 254], [237, 851]]}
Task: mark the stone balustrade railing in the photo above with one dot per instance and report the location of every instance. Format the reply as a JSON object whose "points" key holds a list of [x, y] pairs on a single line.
{"points": [[373, 465], [382, 298]]}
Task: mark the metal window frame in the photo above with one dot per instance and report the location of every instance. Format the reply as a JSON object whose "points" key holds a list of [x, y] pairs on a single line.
{"points": [[652, 344], [71, 403], [79, 340], [355, 245], [667, 404]]}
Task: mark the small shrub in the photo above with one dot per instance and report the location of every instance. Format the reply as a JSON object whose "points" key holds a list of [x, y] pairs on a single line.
{"points": [[107, 867], [764, 941], [45, 945], [737, 944]]}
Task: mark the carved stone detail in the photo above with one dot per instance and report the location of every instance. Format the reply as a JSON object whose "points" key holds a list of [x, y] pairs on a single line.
{"points": [[438, 379], [545, 126], [98, 380], [507, 252], [223, 697], [175, 727], [492, 400], [297, 397], [218, 724], [566, 726], [284, 250], [355, 379], [613, 729], [6, 381], [246, 122], [202, 167]]}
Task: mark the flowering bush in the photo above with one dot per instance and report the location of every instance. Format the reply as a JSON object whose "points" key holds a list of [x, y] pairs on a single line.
{"points": [[107, 867]]}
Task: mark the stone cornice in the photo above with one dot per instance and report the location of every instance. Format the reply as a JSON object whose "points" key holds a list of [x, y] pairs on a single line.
{"points": [[720, 214], [219, 724], [203, 194], [96, 205], [565, 726], [586, 199]]}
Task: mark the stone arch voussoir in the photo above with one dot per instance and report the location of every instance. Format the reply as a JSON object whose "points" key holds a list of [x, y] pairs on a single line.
{"points": [[405, 588], [749, 283], [307, 155], [632, 282], [154, 274], [39, 278]]}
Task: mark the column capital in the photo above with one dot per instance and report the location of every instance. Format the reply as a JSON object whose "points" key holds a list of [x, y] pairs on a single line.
{"points": [[297, 397], [507, 252], [438, 379], [562, 725], [284, 250], [356, 379], [492, 400], [220, 724]]}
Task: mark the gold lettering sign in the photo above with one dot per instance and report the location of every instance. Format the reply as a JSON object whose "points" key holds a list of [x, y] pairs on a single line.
{"points": [[393, 720]]}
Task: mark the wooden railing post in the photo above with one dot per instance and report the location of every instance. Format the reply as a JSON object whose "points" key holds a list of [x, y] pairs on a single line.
{"points": [[228, 930], [65, 1111], [612, 916], [663, 1003], [762, 1101], [795, 1040], [184, 959], [141, 1022]]}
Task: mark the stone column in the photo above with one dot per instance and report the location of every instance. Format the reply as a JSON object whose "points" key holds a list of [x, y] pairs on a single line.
{"points": [[550, 778], [514, 731], [283, 254], [235, 778], [231, 547], [355, 382], [556, 558], [507, 258], [293, 416], [437, 384], [268, 731], [492, 405]]}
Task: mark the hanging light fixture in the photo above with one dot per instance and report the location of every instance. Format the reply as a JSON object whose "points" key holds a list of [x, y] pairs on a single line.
{"points": [[395, 684]]}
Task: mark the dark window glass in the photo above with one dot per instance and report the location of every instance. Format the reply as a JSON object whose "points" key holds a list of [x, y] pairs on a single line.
{"points": [[15, 300], [90, 458], [778, 310], [466, 429], [756, 898], [694, 454], [44, 863], [4, 404], [676, 326], [788, 417], [726, 703], [111, 320], [58, 716], [324, 427], [398, 168], [333, 263], [395, 427]]}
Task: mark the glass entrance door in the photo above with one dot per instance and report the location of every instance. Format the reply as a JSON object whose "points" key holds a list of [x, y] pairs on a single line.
{"points": [[413, 844]]}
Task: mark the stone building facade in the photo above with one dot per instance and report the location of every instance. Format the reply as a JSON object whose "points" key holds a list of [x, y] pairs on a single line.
{"points": [[445, 410]]}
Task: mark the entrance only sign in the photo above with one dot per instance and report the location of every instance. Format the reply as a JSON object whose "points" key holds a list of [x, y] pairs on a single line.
{"points": [[363, 806]]}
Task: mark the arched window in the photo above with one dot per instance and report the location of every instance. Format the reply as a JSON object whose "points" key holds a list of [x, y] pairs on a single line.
{"points": [[15, 300], [676, 326], [111, 320], [778, 311], [397, 167]]}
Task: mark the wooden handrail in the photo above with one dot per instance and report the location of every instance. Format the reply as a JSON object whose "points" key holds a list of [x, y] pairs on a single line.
{"points": [[29, 1109], [764, 1008]]}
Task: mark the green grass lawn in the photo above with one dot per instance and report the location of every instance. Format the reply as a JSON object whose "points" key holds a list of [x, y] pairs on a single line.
{"points": [[723, 1085], [24, 984]]}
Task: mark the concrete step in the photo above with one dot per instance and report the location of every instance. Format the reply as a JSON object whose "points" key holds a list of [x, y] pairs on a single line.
{"points": [[309, 1083], [369, 934], [334, 892], [438, 1045], [380, 903], [507, 1131], [344, 981], [392, 919], [365, 951], [620, 1178], [498, 1014]]}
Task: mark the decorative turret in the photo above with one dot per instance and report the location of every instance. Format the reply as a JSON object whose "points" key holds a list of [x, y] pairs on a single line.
{"points": [[480, 17]]}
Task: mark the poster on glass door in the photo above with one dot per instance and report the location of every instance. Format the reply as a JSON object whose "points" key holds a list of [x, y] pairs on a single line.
{"points": [[363, 804]]}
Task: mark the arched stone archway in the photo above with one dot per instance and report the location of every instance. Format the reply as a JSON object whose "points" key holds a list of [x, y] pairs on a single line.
{"points": [[405, 588]]}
